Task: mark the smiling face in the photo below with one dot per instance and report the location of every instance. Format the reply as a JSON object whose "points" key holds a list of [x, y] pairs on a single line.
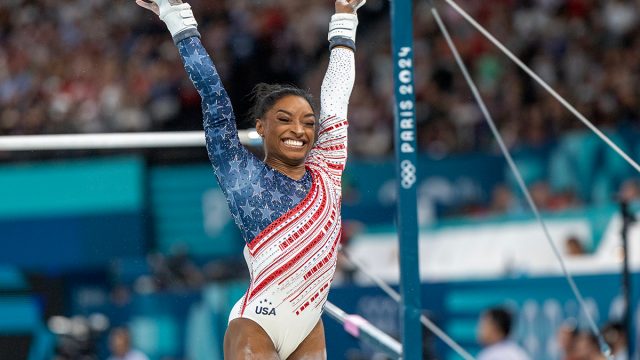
{"points": [[289, 129]]}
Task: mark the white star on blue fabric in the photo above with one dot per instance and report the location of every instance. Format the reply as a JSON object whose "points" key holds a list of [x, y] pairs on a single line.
{"points": [[194, 59], [227, 115], [266, 213], [217, 88], [246, 209], [276, 194], [257, 189], [235, 165], [208, 108], [217, 149]]}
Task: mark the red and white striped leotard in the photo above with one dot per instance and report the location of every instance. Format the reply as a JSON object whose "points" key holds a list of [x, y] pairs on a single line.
{"points": [[293, 260]]}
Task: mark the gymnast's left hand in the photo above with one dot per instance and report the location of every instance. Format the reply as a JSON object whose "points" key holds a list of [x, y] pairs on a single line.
{"points": [[347, 6], [176, 15]]}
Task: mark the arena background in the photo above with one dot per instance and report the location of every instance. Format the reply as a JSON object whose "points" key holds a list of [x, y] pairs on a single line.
{"points": [[91, 240]]}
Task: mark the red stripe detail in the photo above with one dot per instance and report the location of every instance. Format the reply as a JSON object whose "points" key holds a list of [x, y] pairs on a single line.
{"points": [[301, 231], [288, 265], [324, 297], [331, 222], [301, 289], [313, 297], [333, 127], [315, 218], [336, 166], [325, 121], [245, 298], [297, 291], [332, 148], [255, 244], [321, 263]]}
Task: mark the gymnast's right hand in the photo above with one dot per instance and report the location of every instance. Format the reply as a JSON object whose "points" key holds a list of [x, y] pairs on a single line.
{"points": [[176, 15]]}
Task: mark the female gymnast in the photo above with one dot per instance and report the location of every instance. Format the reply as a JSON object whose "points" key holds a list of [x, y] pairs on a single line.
{"points": [[287, 206]]}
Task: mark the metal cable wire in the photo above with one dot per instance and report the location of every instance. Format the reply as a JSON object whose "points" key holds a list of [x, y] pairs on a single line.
{"points": [[397, 298], [516, 172], [542, 83]]}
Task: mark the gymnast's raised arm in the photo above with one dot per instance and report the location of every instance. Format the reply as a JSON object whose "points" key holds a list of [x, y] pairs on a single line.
{"points": [[223, 144], [337, 86]]}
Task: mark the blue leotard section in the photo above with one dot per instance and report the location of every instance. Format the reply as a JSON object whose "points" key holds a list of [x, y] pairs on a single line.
{"points": [[257, 194]]}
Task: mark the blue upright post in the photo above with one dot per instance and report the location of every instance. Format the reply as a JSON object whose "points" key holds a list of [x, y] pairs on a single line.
{"points": [[406, 158]]}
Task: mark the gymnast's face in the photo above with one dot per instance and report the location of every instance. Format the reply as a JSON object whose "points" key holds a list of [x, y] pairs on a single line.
{"points": [[289, 130]]}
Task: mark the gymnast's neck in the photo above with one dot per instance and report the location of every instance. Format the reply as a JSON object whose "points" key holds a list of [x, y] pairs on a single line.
{"points": [[293, 170]]}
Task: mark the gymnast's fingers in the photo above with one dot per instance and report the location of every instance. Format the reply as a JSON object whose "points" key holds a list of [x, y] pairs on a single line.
{"points": [[357, 4], [149, 6], [343, 6]]}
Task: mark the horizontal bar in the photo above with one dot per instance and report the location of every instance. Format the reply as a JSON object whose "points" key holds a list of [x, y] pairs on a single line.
{"points": [[115, 141], [363, 330]]}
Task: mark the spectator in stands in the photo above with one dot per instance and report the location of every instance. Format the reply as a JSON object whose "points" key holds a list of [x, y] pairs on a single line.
{"points": [[566, 337], [616, 337], [502, 200], [574, 247], [120, 346], [629, 190], [493, 333], [587, 348]]}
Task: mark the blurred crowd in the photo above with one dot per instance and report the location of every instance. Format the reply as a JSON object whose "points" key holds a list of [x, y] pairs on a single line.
{"points": [[585, 49], [494, 334], [97, 65], [576, 344]]}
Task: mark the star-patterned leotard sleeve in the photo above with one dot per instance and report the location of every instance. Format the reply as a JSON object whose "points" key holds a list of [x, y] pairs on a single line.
{"points": [[257, 194]]}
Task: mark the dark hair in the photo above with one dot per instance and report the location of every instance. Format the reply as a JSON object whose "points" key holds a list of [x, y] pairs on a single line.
{"points": [[502, 319], [264, 96], [120, 331], [614, 331]]}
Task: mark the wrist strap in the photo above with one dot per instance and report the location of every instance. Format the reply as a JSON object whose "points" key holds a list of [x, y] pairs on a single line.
{"points": [[343, 25], [341, 41], [178, 18]]}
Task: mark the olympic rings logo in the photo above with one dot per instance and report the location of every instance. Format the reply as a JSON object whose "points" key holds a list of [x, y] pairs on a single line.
{"points": [[408, 174]]}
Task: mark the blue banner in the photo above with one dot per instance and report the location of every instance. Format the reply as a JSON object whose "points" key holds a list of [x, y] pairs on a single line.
{"points": [[190, 211], [72, 215]]}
